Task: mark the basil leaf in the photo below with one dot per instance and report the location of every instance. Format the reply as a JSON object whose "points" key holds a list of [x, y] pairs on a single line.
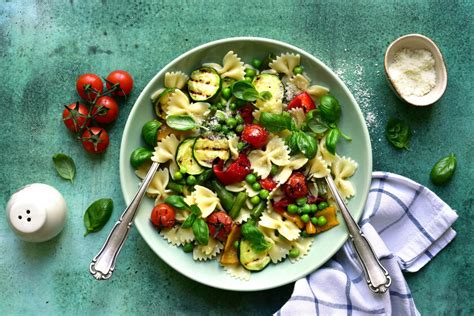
{"points": [[97, 215], [150, 131], [244, 90], [201, 231], [443, 170], [139, 156], [189, 221], [329, 108], [317, 125], [256, 238], [275, 122], [331, 140], [398, 133], [181, 122], [176, 201], [250, 95], [65, 166], [292, 142], [307, 145], [195, 209]]}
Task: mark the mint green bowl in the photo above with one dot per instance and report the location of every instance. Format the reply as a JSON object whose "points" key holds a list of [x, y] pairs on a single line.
{"points": [[325, 245]]}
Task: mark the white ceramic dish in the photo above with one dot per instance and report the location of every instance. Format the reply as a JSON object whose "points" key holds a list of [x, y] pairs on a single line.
{"points": [[418, 41], [326, 244]]}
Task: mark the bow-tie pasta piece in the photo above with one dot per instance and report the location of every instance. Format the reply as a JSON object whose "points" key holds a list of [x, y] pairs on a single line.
{"points": [[275, 221], [207, 252], [177, 235], [303, 245], [157, 188], [176, 79], [285, 63], [238, 272], [343, 168]]}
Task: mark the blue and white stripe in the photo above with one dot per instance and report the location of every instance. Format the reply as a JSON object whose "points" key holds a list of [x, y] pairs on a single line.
{"points": [[407, 224]]}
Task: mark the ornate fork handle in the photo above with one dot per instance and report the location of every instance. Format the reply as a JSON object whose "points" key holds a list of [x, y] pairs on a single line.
{"points": [[377, 276], [103, 264]]}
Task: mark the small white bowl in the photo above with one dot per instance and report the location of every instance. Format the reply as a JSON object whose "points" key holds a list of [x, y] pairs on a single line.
{"points": [[418, 41]]}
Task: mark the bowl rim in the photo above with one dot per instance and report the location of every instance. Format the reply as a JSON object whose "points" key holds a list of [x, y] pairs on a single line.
{"points": [[436, 51], [364, 187]]}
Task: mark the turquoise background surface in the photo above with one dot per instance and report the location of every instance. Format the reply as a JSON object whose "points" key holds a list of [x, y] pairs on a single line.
{"points": [[45, 45]]}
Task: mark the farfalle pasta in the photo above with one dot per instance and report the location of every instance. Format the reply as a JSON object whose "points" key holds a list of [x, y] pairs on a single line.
{"points": [[242, 155]]}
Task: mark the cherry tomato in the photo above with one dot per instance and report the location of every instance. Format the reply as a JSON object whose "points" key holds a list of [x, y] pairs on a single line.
{"points": [[235, 172], [268, 183], [75, 116], [95, 140], [88, 85], [220, 225], [246, 113], [296, 186], [302, 100], [162, 216], [255, 135], [122, 79], [108, 112], [281, 206]]}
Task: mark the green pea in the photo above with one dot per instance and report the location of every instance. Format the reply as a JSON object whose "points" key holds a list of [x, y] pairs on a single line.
{"points": [[236, 244], [233, 106], [249, 72], [292, 209], [301, 201], [306, 208], [225, 129], [248, 79], [305, 218], [314, 208], [255, 200], [231, 122], [217, 128], [256, 63], [322, 221], [226, 93], [239, 119], [183, 170], [322, 205], [264, 194], [191, 180], [314, 220], [239, 128], [256, 186], [294, 252], [298, 70], [274, 170], [213, 107], [241, 145], [188, 247], [251, 178], [177, 175], [221, 117]]}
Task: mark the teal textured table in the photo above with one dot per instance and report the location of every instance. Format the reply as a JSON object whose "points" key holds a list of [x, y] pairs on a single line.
{"points": [[45, 45]]}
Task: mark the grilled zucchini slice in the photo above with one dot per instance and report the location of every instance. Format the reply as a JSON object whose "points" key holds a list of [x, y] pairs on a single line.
{"points": [[203, 84], [252, 260], [184, 157], [272, 84], [206, 150], [160, 98]]}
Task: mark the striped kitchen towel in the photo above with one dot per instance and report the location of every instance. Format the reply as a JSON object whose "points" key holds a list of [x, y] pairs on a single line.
{"points": [[407, 225]]}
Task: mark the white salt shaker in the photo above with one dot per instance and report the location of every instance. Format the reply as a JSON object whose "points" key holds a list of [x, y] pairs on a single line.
{"points": [[36, 212]]}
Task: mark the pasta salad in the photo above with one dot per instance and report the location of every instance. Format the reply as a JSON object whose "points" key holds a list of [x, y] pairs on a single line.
{"points": [[243, 150]]}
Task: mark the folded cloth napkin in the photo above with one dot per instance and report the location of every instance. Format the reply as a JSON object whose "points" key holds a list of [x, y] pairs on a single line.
{"points": [[407, 225]]}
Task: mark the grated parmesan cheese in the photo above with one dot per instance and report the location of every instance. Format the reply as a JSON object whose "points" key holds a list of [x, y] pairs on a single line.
{"points": [[413, 72]]}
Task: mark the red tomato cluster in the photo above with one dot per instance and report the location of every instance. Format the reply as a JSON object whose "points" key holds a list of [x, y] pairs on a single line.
{"points": [[99, 106]]}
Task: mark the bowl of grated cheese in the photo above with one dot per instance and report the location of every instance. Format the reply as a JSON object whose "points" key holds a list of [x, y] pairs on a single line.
{"points": [[415, 69]]}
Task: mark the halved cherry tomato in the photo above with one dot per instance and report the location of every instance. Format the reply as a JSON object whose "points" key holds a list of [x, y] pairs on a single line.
{"points": [[268, 184], [220, 225], [122, 80], [163, 216], [88, 86], [281, 205], [296, 186], [75, 116], [235, 172], [255, 135], [95, 140], [106, 110], [302, 100]]}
